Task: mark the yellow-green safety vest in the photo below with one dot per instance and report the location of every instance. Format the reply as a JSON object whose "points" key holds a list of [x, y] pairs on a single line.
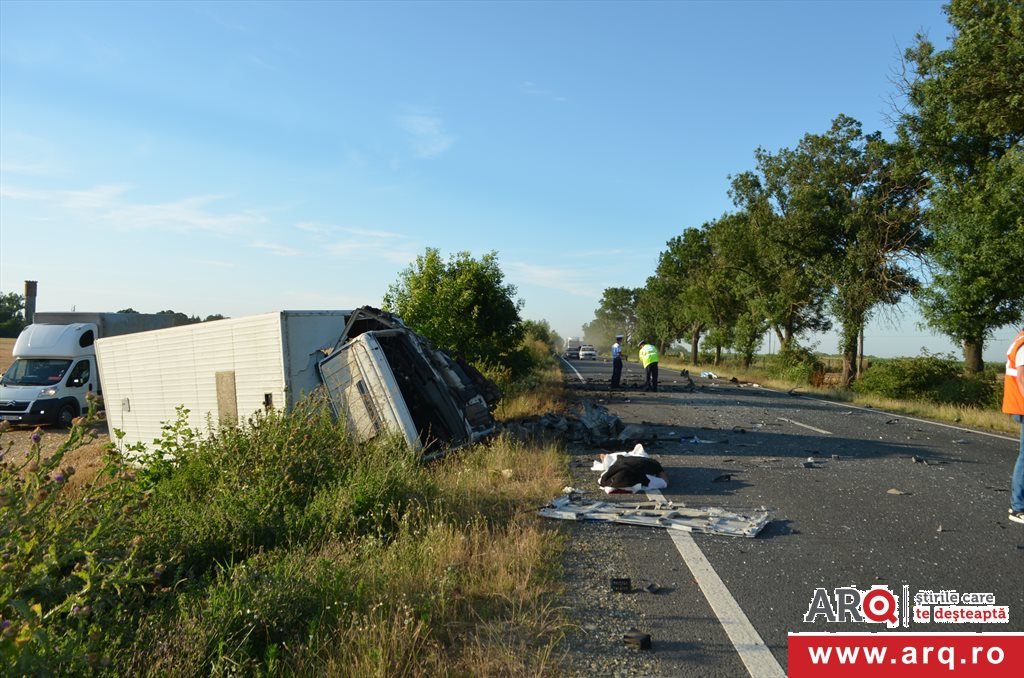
{"points": [[648, 354]]}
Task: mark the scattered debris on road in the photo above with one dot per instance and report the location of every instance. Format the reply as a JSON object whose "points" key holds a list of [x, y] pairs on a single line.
{"points": [[636, 640], [621, 585], [705, 520]]}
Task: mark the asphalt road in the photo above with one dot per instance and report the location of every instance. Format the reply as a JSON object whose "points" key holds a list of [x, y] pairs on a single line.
{"points": [[872, 515]]}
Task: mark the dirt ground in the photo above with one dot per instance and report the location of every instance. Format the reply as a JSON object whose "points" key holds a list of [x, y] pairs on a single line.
{"points": [[87, 460]]}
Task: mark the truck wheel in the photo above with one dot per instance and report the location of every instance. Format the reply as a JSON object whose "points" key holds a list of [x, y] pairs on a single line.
{"points": [[66, 415]]}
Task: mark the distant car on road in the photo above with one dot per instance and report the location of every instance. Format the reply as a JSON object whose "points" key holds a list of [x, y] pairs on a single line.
{"points": [[572, 353], [588, 352]]}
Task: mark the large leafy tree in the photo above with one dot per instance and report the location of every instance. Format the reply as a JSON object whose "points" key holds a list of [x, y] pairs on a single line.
{"points": [[965, 121], [656, 318], [12, 320], [463, 305], [863, 205], [741, 318], [616, 314], [783, 252]]}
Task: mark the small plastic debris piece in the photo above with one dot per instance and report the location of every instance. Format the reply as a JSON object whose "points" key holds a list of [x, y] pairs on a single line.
{"points": [[893, 490], [809, 464], [652, 588], [636, 640], [961, 441], [836, 457], [621, 584]]}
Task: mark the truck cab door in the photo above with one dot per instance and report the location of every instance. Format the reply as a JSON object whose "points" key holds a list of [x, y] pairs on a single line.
{"points": [[364, 393], [81, 380]]}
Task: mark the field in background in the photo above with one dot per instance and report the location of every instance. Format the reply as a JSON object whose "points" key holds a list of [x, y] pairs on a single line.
{"points": [[6, 350]]}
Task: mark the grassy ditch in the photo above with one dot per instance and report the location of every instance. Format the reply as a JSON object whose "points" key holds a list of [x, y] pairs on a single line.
{"points": [[543, 391], [280, 548]]}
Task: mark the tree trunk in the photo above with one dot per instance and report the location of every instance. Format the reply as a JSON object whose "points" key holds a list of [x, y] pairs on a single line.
{"points": [[778, 334], [718, 356], [849, 360], [860, 355], [973, 362], [694, 343]]}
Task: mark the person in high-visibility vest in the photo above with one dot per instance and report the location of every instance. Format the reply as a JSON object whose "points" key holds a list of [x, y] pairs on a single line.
{"points": [[1013, 404], [617, 361], [649, 359]]}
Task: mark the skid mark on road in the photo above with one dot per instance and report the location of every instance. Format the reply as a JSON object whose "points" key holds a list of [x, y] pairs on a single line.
{"points": [[756, 656]]}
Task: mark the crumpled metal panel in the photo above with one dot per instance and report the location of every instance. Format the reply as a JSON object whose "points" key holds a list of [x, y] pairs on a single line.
{"points": [[705, 519]]}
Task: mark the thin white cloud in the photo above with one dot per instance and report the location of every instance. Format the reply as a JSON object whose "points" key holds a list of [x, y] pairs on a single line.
{"points": [[107, 205], [314, 227], [215, 263], [427, 133], [587, 254], [26, 154], [367, 233], [321, 229], [369, 250], [562, 280], [532, 89], [275, 248], [37, 169]]}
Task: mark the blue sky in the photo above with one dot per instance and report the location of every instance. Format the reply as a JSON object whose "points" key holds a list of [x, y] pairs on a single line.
{"points": [[238, 157]]}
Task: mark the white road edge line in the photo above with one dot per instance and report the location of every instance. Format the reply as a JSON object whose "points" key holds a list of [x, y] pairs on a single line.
{"points": [[797, 423], [903, 416], [756, 656], [578, 375]]}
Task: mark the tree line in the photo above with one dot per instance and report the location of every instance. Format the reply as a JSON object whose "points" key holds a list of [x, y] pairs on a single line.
{"points": [[845, 223], [12, 316]]}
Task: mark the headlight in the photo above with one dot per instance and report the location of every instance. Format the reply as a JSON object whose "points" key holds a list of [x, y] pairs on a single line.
{"points": [[48, 393]]}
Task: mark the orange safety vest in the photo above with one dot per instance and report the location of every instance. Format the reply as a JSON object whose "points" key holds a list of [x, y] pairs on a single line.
{"points": [[1013, 399]]}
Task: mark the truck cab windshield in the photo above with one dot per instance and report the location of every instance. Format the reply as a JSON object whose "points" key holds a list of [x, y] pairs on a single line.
{"points": [[36, 372]]}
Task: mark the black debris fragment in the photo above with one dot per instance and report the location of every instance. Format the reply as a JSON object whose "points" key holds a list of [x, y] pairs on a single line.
{"points": [[635, 640]]}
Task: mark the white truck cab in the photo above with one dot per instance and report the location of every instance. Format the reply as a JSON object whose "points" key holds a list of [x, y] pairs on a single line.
{"points": [[55, 366], [54, 370]]}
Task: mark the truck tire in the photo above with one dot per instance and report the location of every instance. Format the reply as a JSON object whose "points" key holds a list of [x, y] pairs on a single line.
{"points": [[65, 415]]}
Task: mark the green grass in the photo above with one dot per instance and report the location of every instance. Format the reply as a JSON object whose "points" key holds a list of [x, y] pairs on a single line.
{"points": [[282, 548]]}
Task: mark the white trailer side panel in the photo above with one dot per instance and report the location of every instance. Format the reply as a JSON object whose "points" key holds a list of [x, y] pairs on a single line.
{"points": [[147, 376]]}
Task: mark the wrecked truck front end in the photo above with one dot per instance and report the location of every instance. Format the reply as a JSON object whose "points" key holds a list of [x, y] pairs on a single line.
{"points": [[384, 378]]}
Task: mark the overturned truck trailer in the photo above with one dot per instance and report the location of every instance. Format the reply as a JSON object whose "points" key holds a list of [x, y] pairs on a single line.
{"points": [[380, 376]]}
